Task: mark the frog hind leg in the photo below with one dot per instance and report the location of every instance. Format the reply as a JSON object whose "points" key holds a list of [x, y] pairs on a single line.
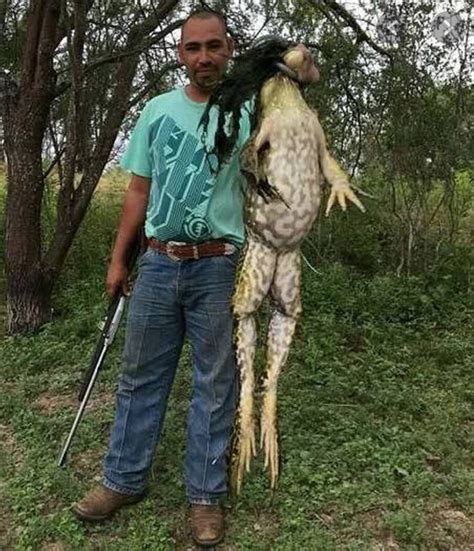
{"points": [[253, 284], [285, 293]]}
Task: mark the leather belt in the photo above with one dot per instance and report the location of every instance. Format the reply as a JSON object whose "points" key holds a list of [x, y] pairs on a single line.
{"points": [[191, 251]]}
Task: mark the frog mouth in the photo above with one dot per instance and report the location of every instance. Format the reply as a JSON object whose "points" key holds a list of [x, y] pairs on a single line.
{"points": [[288, 72]]}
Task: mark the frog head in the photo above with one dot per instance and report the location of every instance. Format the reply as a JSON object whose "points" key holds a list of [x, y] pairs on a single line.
{"points": [[300, 60]]}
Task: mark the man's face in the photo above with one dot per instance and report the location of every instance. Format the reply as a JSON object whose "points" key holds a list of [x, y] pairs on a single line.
{"points": [[204, 50]]}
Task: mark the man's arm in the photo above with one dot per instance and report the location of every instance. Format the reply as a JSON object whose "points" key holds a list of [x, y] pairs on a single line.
{"points": [[133, 217]]}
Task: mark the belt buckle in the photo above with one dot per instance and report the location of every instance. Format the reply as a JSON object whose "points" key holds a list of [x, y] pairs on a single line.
{"points": [[169, 252]]}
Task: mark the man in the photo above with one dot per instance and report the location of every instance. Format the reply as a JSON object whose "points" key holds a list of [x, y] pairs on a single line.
{"points": [[194, 227]]}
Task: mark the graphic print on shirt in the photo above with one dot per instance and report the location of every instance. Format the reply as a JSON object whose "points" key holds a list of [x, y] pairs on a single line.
{"points": [[181, 183]]}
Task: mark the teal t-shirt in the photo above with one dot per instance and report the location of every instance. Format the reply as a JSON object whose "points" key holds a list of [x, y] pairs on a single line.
{"points": [[187, 201]]}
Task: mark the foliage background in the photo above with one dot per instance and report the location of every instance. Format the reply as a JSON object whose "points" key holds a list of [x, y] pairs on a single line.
{"points": [[376, 400], [375, 412]]}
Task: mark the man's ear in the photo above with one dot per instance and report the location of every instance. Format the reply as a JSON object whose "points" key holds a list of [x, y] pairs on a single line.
{"points": [[180, 53], [230, 44]]}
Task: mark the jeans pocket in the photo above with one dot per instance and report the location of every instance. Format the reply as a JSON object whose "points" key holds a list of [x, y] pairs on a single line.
{"points": [[144, 257], [232, 259], [149, 255]]}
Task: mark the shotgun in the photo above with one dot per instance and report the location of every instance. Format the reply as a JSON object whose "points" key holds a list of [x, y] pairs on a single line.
{"points": [[110, 326]]}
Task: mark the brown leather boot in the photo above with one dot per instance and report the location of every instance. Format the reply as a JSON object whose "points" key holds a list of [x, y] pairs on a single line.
{"points": [[101, 503], [207, 524]]}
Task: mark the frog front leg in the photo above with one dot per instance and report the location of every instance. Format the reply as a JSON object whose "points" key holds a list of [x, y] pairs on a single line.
{"points": [[339, 181], [285, 293], [253, 283]]}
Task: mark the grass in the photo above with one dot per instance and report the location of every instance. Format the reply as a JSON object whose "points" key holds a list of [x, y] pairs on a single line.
{"points": [[375, 409]]}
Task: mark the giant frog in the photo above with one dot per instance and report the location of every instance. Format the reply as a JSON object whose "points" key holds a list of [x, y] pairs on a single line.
{"points": [[285, 161]]}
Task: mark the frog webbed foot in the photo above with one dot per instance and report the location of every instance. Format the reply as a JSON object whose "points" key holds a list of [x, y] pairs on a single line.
{"points": [[269, 435], [245, 448]]}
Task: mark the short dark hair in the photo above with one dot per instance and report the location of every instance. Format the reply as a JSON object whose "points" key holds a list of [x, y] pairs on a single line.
{"points": [[206, 13]]}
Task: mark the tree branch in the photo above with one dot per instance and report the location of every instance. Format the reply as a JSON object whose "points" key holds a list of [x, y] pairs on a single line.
{"points": [[117, 107], [356, 105], [58, 152], [120, 55], [349, 19], [165, 69]]}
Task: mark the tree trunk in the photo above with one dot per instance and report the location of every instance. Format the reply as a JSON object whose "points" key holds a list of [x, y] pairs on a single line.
{"points": [[32, 267], [28, 283], [28, 289]]}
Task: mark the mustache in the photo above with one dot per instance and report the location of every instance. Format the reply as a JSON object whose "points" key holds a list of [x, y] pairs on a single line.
{"points": [[206, 66]]}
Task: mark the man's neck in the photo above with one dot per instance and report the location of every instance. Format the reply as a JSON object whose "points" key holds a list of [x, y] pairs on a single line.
{"points": [[198, 94]]}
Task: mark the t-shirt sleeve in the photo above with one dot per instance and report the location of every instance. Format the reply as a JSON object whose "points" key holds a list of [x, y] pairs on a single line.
{"points": [[137, 158]]}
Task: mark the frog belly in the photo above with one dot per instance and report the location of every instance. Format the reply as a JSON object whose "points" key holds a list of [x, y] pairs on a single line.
{"points": [[279, 226], [287, 221]]}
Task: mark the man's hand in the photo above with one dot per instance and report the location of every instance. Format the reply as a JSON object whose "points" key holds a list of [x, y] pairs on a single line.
{"points": [[117, 279]]}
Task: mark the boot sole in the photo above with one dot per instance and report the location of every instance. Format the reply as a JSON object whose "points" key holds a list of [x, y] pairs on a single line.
{"points": [[83, 515]]}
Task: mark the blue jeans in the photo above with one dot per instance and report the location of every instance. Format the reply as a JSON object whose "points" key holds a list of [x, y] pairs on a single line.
{"points": [[170, 299]]}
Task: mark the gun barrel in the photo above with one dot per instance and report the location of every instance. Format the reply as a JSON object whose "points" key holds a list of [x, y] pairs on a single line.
{"points": [[82, 407], [116, 315], [109, 330], [112, 322]]}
